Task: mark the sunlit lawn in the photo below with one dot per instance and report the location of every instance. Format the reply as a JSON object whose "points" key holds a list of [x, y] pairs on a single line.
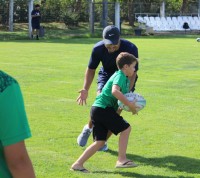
{"points": [[165, 138]]}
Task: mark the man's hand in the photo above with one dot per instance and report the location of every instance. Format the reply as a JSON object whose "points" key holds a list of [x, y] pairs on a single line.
{"points": [[81, 100]]}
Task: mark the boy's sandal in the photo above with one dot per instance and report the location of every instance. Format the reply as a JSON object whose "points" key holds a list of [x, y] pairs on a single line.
{"points": [[127, 164], [80, 170]]}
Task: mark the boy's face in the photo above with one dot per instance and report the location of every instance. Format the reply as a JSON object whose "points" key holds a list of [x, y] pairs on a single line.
{"points": [[129, 69], [112, 48]]}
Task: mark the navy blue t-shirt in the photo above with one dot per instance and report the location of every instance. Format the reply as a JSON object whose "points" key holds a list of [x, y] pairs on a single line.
{"points": [[35, 20], [108, 60]]}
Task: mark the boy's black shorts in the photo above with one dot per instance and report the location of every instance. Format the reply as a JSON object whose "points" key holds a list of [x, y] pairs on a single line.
{"points": [[105, 120]]}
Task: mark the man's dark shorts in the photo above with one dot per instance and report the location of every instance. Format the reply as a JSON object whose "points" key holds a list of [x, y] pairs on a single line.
{"points": [[35, 26], [104, 120]]}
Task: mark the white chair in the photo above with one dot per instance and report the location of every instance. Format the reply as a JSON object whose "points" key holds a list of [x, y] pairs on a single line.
{"points": [[154, 24], [140, 19], [180, 18], [198, 24], [159, 25], [196, 18], [157, 19], [156, 28], [151, 19], [148, 24], [146, 19], [178, 26], [190, 18], [171, 25], [193, 25], [174, 19], [165, 26], [185, 18], [163, 19], [168, 18]]}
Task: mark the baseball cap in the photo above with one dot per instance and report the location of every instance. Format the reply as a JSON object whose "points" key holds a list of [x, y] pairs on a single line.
{"points": [[111, 35]]}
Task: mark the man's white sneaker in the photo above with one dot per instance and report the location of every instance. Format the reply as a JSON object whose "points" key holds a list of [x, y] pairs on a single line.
{"points": [[83, 137]]}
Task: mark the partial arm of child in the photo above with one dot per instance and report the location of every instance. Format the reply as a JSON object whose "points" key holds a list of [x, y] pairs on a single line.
{"points": [[18, 161]]}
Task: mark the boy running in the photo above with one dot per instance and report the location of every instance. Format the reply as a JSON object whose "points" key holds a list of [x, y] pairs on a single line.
{"points": [[104, 116]]}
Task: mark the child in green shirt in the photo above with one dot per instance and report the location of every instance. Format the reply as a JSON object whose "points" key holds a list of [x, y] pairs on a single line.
{"points": [[105, 118], [14, 129]]}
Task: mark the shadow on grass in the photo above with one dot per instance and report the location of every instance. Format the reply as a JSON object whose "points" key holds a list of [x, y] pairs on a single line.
{"points": [[175, 163], [132, 174]]}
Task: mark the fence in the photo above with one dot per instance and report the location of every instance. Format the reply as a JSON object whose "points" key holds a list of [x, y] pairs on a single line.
{"points": [[58, 14]]}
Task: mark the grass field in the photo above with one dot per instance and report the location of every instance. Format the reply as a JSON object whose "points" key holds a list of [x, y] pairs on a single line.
{"points": [[165, 137]]}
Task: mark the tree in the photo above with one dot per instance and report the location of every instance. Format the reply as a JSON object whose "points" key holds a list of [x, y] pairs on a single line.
{"points": [[131, 13], [184, 7]]}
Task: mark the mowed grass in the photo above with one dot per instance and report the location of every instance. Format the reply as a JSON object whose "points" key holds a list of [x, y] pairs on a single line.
{"points": [[165, 137]]}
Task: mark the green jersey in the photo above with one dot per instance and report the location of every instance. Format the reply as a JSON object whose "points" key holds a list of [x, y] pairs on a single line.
{"points": [[14, 126], [105, 98]]}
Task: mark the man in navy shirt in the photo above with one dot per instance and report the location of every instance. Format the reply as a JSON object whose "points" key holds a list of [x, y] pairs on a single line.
{"points": [[35, 21], [106, 52]]}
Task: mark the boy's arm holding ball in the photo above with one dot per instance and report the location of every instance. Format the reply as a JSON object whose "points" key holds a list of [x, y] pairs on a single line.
{"points": [[119, 95]]}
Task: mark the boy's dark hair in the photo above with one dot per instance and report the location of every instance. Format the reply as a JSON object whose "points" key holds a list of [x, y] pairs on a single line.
{"points": [[125, 58], [37, 5]]}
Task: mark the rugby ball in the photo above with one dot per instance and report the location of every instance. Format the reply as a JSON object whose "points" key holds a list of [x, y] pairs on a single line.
{"points": [[132, 96], [198, 39]]}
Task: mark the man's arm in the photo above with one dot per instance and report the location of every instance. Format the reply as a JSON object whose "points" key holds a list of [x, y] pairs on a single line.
{"points": [[35, 16], [89, 76], [18, 161]]}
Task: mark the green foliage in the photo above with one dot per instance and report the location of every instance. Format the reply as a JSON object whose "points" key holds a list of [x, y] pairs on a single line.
{"points": [[53, 10], [70, 19], [173, 6]]}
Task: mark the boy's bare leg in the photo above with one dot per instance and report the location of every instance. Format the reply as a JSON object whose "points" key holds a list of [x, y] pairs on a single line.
{"points": [[122, 161], [89, 152], [123, 142]]}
